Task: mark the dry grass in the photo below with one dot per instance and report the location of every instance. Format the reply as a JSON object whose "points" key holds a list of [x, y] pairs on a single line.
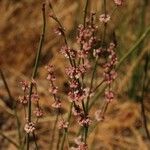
{"points": [[20, 24]]}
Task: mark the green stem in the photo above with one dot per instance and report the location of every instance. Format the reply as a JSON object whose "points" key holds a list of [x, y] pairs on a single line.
{"points": [[53, 133], [134, 47], [66, 130], [91, 84], [14, 106], [10, 140], [142, 97], [85, 12], [36, 146], [35, 68]]}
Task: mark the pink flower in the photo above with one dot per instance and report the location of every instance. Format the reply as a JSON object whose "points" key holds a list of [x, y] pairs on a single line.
{"points": [[50, 68], [118, 2], [84, 121], [77, 95], [35, 97], [109, 96], [109, 77], [97, 52], [62, 124], [67, 51], [59, 31], [73, 84], [38, 112], [73, 72], [25, 85], [82, 146], [23, 99], [104, 18], [77, 111], [57, 104], [29, 127], [99, 116], [53, 90]]}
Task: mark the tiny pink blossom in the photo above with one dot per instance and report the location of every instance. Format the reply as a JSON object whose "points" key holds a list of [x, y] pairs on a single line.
{"points": [[73, 84], [82, 146], [50, 68], [62, 124], [68, 52], [29, 127], [109, 96], [98, 116], [104, 18], [84, 121], [23, 100], [56, 104], [109, 77], [53, 90], [51, 77], [97, 52], [78, 140], [25, 85], [59, 31], [77, 111], [35, 97], [38, 112], [118, 2]]}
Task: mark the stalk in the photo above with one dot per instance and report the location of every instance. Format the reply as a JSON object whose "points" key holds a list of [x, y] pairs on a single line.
{"points": [[142, 97], [35, 70], [14, 107]]}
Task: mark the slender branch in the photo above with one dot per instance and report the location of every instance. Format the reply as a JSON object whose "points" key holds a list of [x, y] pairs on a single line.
{"points": [[66, 130], [35, 68], [36, 146], [85, 12], [91, 84], [142, 97], [14, 106], [134, 47], [98, 85], [53, 132], [10, 140]]}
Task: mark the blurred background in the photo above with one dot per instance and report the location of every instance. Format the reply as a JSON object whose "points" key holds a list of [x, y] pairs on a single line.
{"points": [[20, 29]]}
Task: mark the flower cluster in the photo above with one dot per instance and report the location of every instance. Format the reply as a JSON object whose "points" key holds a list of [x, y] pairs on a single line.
{"points": [[29, 127], [34, 98], [80, 144], [68, 52], [53, 89], [84, 58], [109, 71], [25, 88], [104, 18], [62, 124], [118, 2], [86, 37]]}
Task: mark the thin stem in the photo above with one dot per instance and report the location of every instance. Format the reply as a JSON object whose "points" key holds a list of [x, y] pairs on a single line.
{"points": [[85, 12], [134, 47], [10, 140], [53, 132], [35, 68], [142, 97], [66, 130], [98, 85], [36, 146], [72, 62], [14, 106], [94, 71], [91, 84], [59, 139]]}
